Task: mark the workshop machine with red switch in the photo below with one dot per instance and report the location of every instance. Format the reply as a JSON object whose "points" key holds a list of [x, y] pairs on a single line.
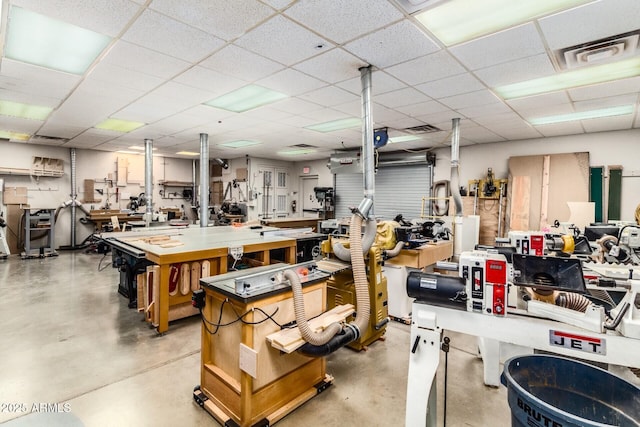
{"points": [[485, 276]]}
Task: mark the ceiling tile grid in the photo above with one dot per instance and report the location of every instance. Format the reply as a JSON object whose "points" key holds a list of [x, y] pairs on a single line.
{"points": [[168, 57]]}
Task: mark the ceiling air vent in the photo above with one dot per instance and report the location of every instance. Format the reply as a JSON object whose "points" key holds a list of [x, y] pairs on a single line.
{"points": [[303, 146], [608, 49], [423, 129], [46, 139]]}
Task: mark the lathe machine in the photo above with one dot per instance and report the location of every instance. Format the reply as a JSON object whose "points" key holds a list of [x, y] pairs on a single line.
{"points": [[551, 311]]}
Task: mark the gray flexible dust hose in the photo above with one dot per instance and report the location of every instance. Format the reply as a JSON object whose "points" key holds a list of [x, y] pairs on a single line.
{"points": [[395, 251], [344, 254], [315, 338], [359, 274]]}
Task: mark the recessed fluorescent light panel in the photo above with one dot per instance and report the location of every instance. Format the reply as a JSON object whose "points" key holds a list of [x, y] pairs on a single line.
{"points": [[40, 40], [128, 152], [458, 21], [297, 152], [404, 138], [239, 144], [246, 98], [24, 111], [14, 136], [335, 125], [119, 125], [584, 115], [570, 79], [188, 153]]}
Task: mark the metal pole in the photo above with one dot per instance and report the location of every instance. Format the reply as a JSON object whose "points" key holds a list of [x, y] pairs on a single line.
{"points": [[455, 159], [204, 180], [367, 141], [73, 195], [194, 188], [148, 179]]}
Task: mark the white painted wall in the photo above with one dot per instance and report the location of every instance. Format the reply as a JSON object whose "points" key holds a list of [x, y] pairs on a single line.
{"points": [[46, 192], [605, 148]]}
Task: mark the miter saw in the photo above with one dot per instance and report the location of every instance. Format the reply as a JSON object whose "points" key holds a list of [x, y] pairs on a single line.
{"points": [[551, 311]]}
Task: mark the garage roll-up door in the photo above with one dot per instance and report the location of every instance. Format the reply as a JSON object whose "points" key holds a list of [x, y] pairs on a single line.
{"points": [[398, 190]]}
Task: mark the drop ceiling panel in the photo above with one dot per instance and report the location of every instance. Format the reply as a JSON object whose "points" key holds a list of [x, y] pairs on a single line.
{"points": [[434, 119], [35, 80], [182, 96], [509, 45], [557, 129], [401, 97], [103, 16], [60, 129], [330, 96], [481, 135], [608, 124], [472, 99], [279, 4], [119, 95], [114, 75], [238, 62], [619, 87], [611, 101], [291, 82], [333, 66], [454, 85], [590, 22], [382, 114], [486, 110], [344, 20], [546, 111], [163, 34], [208, 80], [539, 101], [503, 119], [25, 98], [136, 58], [267, 114], [18, 124], [380, 83], [426, 68], [86, 110], [423, 108], [326, 115], [514, 134], [283, 40], [146, 112], [397, 43], [296, 106], [520, 70], [352, 108], [222, 18], [92, 138], [179, 122]]}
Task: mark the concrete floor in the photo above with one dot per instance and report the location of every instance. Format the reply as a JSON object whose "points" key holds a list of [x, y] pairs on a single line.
{"points": [[68, 337]]}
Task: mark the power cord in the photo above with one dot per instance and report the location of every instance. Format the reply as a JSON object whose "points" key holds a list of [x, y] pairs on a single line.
{"points": [[239, 318]]}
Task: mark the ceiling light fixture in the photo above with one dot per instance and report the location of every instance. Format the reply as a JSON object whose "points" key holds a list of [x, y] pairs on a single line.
{"points": [[128, 152], [571, 79], [240, 143], [40, 40], [188, 153], [119, 125], [297, 152], [137, 147], [404, 138], [335, 125], [246, 98], [584, 115], [24, 111], [14, 136], [458, 21]]}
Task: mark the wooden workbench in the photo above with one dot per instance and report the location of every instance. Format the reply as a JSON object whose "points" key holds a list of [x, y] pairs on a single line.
{"points": [[424, 255], [292, 223], [194, 247], [103, 216], [244, 380]]}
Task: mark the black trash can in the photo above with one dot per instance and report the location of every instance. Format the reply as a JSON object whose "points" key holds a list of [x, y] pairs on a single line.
{"points": [[551, 391]]}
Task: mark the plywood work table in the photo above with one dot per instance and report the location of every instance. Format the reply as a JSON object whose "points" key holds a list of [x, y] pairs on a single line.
{"points": [[197, 246], [424, 255]]}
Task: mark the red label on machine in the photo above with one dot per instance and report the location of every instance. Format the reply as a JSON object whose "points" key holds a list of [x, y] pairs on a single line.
{"points": [[578, 342], [496, 271], [537, 245]]}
